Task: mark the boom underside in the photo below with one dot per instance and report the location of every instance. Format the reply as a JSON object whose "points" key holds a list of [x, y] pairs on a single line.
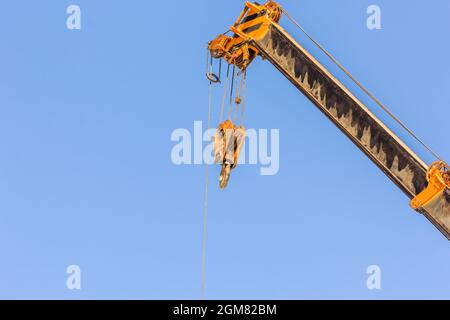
{"points": [[381, 145], [257, 32]]}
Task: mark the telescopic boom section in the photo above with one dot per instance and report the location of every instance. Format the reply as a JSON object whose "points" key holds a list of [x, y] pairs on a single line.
{"points": [[257, 32]]}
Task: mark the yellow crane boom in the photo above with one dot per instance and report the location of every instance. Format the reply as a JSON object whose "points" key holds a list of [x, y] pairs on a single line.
{"points": [[256, 32]]}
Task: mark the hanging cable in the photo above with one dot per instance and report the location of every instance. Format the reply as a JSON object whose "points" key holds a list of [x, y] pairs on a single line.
{"points": [[231, 92], [209, 74], [239, 95], [207, 61], [220, 69], [205, 203], [205, 209], [224, 97], [243, 98], [378, 102]]}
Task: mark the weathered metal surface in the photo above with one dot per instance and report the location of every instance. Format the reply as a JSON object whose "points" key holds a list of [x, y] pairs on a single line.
{"points": [[379, 143], [438, 212]]}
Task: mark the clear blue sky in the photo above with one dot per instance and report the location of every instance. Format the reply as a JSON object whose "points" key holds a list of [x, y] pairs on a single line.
{"points": [[86, 176]]}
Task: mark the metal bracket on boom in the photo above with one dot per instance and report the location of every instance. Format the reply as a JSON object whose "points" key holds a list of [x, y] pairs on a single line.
{"points": [[438, 177], [252, 24]]}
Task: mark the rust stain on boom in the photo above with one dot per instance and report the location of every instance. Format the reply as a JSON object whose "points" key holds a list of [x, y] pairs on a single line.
{"points": [[380, 144]]}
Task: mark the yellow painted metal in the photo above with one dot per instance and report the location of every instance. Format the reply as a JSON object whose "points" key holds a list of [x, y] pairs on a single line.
{"points": [[438, 177], [225, 126], [228, 142], [240, 49], [252, 24]]}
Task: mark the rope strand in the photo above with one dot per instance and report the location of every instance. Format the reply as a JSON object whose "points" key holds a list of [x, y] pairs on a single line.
{"points": [[205, 203], [222, 108], [231, 92], [243, 97], [378, 102], [239, 94]]}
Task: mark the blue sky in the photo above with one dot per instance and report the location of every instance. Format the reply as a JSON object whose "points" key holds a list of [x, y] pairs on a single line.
{"points": [[86, 176]]}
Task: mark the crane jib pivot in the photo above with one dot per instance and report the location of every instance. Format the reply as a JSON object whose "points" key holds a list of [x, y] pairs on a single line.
{"points": [[257, 32]]}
